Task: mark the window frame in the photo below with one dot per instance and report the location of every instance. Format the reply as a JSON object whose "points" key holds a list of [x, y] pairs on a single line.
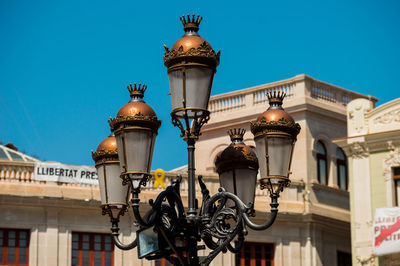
{"points": [[322, 157], [91, 249], [242, 258], [396, 179], [341, 162], [5, 248]]}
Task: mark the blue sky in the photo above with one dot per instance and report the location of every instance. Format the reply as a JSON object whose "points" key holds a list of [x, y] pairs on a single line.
{"points": [[64, 65]]}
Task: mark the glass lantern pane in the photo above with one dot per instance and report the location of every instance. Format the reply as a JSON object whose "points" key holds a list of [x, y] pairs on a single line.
{"points": [[198, 86], [100, 174], [261, 156], [116, 191], [246, 184], [226, 181], [279, 152], [139, 145], [176, 85], [241, 182]]}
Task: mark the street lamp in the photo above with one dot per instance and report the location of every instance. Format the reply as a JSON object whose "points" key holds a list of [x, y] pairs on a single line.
{"points": [[275, 134], [114, 195], [237, 167], [167, 230]]}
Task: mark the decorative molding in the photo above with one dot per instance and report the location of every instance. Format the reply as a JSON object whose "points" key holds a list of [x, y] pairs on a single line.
{"points": [[357, 150], [388, 118], [366, 261], [357, 109], [391, 160], [264, 125], [203, 51]]}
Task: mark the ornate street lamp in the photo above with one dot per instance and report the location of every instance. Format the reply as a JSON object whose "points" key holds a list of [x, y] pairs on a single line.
{"points": [[114, 195], [275, 134], [136, 125], [167, 230], [237, 167]]}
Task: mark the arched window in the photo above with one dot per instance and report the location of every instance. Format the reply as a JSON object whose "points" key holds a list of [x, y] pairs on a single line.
{"points": [[322, 170], [341, 164]]}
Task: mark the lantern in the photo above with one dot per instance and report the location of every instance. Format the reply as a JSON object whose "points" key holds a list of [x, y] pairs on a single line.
{"points": [[135, 128], [275, 134], [191, 64], [237, 167], [113, 194]]}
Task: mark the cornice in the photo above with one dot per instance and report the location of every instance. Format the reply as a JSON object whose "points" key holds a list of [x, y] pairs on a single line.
{"points": [[376, 142]]}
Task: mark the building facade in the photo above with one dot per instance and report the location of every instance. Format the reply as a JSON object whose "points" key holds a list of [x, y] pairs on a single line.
{"points": [[373, 150], [49, 223]]}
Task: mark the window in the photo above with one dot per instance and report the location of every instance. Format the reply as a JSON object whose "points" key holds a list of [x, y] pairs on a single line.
{"points": [[341, 164], [255, 254], [343, 259], [14, 247], [396, 179], [322, 170], [92, 250]]}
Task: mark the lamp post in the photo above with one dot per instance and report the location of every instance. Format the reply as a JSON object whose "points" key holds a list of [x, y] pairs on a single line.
{"points": [[167, 230]]}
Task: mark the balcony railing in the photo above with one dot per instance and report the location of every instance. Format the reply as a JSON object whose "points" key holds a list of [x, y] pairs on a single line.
{"points": [[298, 86]]}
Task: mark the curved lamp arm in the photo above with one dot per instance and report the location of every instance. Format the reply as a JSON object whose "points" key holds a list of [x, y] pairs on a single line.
{"points": [[136, 212], [274, 212], [148, 220], [239, 244], [117, 242]]}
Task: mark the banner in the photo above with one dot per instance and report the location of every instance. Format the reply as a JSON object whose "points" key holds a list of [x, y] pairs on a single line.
{"points": [[66, 173], [386, 231]]}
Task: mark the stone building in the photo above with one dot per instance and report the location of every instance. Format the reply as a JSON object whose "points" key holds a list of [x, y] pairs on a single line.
{"points": [[61, 224], [373, 149]]}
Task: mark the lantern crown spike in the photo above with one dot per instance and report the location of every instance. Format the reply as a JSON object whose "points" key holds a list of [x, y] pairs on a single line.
{"points": [[236, 134], [191, 22], [275, 99], [137, 90]]}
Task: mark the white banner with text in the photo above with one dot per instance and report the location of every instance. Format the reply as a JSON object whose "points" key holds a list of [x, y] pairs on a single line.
{"points": [[66, 173], [386, 231]]}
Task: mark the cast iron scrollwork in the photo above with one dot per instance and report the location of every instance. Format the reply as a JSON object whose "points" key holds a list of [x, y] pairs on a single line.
{"points": [[223, 217], [225, 223]]}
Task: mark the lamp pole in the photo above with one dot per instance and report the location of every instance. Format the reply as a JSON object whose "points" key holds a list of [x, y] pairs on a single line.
{"points": [[123, 163]]}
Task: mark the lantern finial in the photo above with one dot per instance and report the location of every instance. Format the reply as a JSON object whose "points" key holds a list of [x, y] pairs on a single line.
{"points": [[191, 23], [137, 90], [275, 99], [236, 134]]}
